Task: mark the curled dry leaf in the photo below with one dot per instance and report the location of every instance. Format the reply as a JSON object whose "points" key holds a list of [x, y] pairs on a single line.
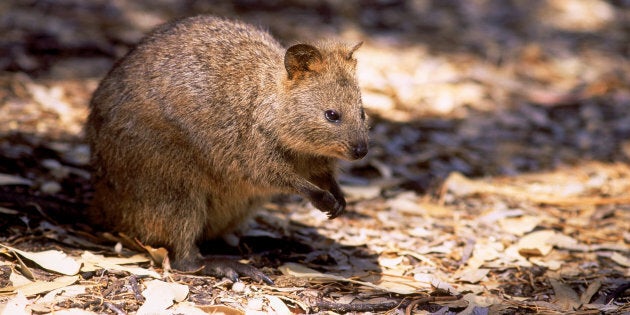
{"points": [[158, 255], [24, 269]]}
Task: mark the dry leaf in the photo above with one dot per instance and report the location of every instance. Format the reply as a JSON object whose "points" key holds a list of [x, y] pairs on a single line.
{"points": [[436, 210], [15, 306], [6, 179], [478, 304], [255, 304], [407, 202], [158, 255], [361, 192], [38, 287], [8, 211], [189, 308], [566, 297], [47, 303], [93, 262], [7, 291], [52, 260], [301, 271], [390, 262], [498, 214], [74, 311], [474, 276], [485, 250], [19, 280], [89, 257], [23, 268], [61, 294], [552, 264], [536, 243], [398, 284], [519, 226], [590, 291], [220, 309], [161, 295], [278, 305], [482, 301], [433, 281], [620, 259], [560, 240]]}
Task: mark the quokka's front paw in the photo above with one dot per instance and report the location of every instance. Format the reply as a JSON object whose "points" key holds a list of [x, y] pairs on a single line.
{"points": [[327, 202], [340, 207]]}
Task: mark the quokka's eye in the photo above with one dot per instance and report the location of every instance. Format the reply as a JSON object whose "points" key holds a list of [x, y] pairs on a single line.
{"points": [[332, 115], [362, 114]]}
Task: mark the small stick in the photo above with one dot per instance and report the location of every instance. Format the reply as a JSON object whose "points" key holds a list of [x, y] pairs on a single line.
{"points": [[429, 299], [133, 281], [360, 307], [114, 308]]}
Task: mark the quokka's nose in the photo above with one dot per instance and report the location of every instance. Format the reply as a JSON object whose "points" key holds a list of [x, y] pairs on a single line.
{"points": [[359, 150]]}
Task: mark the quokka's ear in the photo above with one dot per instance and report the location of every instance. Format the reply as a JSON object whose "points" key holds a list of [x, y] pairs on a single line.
{"points": [[302, 58], [353, 49]]}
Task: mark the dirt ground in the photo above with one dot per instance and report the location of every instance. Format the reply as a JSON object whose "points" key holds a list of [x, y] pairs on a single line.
{"points": [[497, 182]]}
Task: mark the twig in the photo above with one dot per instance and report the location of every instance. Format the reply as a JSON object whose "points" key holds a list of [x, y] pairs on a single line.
{"points": [[133, 281], [114, 308], [359, 307], [429, 299], [379, 307]]}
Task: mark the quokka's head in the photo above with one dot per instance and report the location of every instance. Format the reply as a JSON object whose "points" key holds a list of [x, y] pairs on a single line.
{"points": [[322, 112]]}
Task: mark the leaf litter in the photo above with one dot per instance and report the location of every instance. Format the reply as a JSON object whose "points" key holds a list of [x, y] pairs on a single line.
{"points": [[497, 181]]}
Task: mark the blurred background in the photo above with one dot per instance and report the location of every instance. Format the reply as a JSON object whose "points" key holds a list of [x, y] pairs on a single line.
{"points": [[483, 87]]}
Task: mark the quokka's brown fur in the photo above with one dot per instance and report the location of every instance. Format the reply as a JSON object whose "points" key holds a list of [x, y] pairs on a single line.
{"points": [[206, 118]]}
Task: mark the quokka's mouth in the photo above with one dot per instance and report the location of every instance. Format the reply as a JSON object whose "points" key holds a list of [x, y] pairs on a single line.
{"points": [[347, 152]]}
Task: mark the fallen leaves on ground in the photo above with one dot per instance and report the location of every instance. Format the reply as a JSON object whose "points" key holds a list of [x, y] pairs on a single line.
{"points": [[498, 178]]}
